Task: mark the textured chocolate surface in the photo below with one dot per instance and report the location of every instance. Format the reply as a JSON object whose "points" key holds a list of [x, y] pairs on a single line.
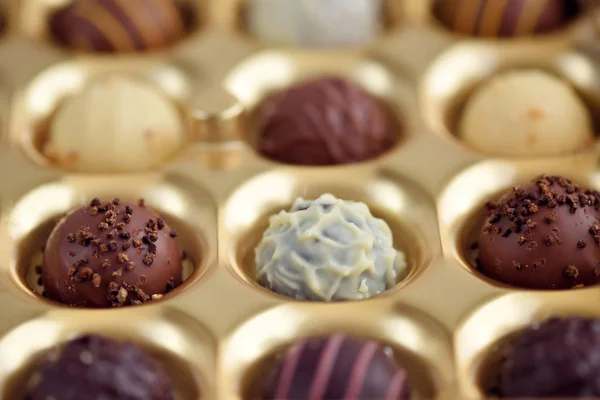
{"points": [[558, 358], [337, 367], [314, 23], [96, 368], [322, 122], [120, 25], [504, 17], [110, 254], [350, 254], [543, 236]]}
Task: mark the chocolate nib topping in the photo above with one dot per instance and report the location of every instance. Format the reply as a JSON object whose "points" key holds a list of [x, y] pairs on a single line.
{"points": [[552, 219], [105, 243]]}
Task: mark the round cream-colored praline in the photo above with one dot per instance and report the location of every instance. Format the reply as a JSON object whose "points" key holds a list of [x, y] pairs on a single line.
{"points": [[526, 113], [315, 22], [328, 249], [116, 124]]}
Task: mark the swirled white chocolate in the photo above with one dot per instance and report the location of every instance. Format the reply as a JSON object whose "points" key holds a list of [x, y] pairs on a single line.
{"points": [[315, 22], [328, 249]]}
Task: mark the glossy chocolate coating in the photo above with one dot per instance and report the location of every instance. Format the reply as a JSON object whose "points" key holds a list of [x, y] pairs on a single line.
{"points": [[95, 368], [119, 25], [323, 122], [337, 367], [2, 22], [504, 18], [95, 258], [559, 358], [543, 236]]}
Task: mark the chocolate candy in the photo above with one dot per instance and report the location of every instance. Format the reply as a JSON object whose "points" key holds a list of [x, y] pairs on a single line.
{"points": [[504, 17], [119, 25], [315, 22], [95, 368], [559, 358], [337, 367], [350, 254], [543, 236], [110, 255], [91, 133], [323, 122]]}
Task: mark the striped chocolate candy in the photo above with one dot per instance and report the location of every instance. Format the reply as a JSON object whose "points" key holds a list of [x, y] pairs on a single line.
{"points": [[118, 25], [504, 17], [337, 367]]}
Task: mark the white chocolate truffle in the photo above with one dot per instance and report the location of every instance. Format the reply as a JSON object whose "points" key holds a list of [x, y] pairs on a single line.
{"points": [[315, 22], [117, 124], [526, 113], [328, 249]]}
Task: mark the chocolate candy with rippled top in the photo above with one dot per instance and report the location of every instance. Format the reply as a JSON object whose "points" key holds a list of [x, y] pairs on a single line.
{"points": [[337, 367], [96, 368], [121, 25], [559, 358], [504, 18], [111, 254], [545, 235], [324, 121]]}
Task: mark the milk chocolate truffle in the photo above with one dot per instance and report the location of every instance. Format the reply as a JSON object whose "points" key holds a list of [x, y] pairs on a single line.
{"points": [[328, 250], [315, 22], [526, 113], [110, 255], [504, 18], [337, 367], [543, 236], [119, 26], [96, 368], [559, 358], [116, 124], [322, 122]]}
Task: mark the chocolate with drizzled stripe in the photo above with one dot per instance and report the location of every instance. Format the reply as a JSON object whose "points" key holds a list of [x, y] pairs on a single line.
{"points": [[337, 367], [120, 25], [324, 121], [504, 17]]}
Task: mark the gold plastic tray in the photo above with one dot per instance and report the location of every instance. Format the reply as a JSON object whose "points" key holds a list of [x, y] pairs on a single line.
{"points": [[220, 331]]}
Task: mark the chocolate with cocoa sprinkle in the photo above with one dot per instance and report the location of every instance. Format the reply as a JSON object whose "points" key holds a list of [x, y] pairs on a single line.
{"points": [[552, 219], [94, 367], [91, 256], [557, 358]]}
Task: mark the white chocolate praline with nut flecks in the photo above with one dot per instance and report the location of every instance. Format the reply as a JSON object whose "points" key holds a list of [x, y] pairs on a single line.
{"points": [[526, 113], [116, 124], [328, 249], [315, 22]]}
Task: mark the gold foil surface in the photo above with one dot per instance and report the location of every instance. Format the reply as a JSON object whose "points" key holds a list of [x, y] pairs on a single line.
{"points": [[220, 331]]}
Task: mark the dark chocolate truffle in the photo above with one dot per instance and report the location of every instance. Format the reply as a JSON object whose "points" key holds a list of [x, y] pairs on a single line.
{"points": [[504, 17], [95, 368], [323, 122], [337, 367], [110, 254], [559, 358], [543, 236], [119, 25]]}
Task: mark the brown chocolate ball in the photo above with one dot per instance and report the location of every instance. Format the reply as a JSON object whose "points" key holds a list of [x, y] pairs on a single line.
{"points": [[543, 236], [324, 121], [337, 367], [559, 358], [120, 25], [504, 18], [95, 368], [110, 255]]}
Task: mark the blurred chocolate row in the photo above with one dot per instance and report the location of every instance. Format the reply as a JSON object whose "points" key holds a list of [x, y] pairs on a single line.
{"points": [[121, 26]]}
